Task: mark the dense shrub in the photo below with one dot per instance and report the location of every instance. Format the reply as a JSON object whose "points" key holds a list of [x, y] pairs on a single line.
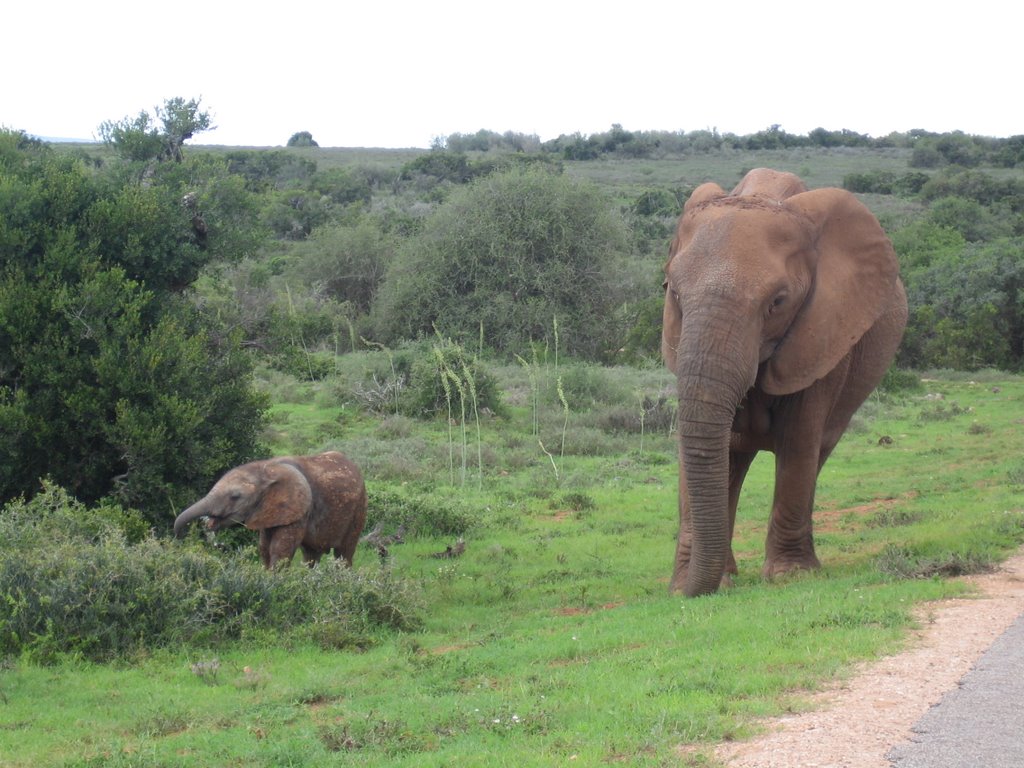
{"points": [[346, 262], [293, 213], [983, 188], [342, 186], [264, 170], [505, 256], [445, 379], [657, 202], [110, 381], [967, 313], [968, 217], [419, 515], [925, 242], [586, 385], [885, 183], [72, 583]]}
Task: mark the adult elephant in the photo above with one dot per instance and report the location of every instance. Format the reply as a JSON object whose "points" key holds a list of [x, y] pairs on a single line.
{"points": [[316, 502], [783, 310]]}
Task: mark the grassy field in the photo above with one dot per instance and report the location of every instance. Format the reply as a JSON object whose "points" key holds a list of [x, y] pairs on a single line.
{"points": [[553, 639]]}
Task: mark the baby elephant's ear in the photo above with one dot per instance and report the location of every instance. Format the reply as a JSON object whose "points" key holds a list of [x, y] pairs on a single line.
{"points": [[856, 279], [287, 497]]}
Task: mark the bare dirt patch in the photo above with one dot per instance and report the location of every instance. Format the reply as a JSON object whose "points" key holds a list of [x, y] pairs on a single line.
{"points": [[855, 723]]}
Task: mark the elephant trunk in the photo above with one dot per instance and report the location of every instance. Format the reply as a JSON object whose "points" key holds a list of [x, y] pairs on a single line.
{"points": [[199, 509], [709, 393]]}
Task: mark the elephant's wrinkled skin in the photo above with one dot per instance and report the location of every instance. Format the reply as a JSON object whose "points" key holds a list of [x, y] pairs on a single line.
{"points": [[316, 502], [783, 310]]}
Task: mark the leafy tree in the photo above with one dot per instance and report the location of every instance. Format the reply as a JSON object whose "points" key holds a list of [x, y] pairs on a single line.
{"points": [[181, 121], [110, 382], [503, 257], [141, 139], [302, 139]]}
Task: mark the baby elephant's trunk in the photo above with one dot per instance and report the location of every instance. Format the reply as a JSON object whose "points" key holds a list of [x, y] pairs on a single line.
{"points": [[181, 522]]}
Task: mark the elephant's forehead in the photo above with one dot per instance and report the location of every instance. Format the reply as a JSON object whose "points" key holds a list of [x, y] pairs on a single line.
{"points": [[235, 482], [738, 230]]}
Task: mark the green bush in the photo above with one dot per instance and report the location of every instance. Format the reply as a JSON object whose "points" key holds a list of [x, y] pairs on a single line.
{"points": [[898, 380], [923, 243], [657, 202], [72, 583], [885, 183], [54, 516], [419, 515], [585, 385], [344, 261], [967, 313], [968, 217], [874, 182], [444, 379], [505, 255]]}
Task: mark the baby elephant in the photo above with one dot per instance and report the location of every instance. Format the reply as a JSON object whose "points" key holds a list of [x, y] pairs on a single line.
{"points": [[316, 502]]}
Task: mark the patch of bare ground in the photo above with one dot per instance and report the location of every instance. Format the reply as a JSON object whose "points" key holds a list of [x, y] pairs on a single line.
{"points": [[855, 723]]}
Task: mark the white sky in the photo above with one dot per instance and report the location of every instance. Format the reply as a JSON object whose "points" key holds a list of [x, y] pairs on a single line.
{"points": [[380, 73]]}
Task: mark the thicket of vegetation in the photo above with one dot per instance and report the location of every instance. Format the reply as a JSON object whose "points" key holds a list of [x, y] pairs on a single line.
{"points": [[112, 382], [929, 150], [141, 284], [95, 584]]}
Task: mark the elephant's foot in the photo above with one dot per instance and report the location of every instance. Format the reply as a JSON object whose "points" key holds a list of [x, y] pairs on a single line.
{"points": [[678, 583], [777, 566]]}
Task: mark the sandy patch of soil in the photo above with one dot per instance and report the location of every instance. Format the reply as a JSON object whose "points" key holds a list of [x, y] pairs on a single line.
{"points": [[857, 722]]}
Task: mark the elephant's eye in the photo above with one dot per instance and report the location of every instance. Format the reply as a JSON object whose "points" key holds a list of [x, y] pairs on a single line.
{"points": [[235, 495], [777, 302]]}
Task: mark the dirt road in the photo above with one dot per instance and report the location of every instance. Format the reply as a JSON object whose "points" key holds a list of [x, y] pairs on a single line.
{"points": [[867, 722]]}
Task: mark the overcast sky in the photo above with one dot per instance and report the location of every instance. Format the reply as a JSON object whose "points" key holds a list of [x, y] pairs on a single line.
{"points": [[398, 74]]}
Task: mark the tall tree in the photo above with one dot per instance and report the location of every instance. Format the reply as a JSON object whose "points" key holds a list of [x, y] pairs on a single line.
{"points": [[140, 138], [111, 383]]}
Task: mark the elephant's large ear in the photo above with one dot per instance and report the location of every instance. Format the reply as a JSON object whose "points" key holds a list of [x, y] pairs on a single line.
{"points": [[854, 283], [671, 321], [287, 497]]}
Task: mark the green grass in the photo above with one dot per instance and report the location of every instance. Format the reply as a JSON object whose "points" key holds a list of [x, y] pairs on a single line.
{"points": [[624, 179], [553, 636]]}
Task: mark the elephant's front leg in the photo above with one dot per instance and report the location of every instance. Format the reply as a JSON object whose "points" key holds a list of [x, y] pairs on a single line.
{"points": [[278, 545], [790, 541]]}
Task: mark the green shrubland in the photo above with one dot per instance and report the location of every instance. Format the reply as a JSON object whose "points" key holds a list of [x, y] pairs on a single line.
{"points": [[93, 583]]}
